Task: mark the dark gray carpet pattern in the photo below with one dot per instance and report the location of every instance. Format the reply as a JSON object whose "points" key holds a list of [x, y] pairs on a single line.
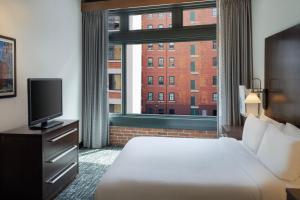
{"points": [[93, 163]]}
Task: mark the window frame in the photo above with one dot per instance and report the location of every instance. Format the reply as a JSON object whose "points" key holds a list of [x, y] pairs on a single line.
{"points": [[149, 80], [171, 82], [171, 94], [161, 80], [176, 33]]}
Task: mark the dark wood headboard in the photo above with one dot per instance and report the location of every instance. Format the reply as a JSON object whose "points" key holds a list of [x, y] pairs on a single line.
{"points": [[282, 75]]}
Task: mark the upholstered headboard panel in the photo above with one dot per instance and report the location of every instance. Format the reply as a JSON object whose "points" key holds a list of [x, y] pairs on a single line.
{"points": [[282, 75]]}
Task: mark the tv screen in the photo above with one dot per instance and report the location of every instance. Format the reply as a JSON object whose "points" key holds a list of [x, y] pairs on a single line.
{"points": [[44, 100]]}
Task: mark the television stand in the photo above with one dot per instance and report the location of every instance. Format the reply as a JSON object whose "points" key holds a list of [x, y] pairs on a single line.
{"points": [[47, 124]]}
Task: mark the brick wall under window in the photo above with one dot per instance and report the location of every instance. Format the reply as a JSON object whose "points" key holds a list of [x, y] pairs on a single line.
{"points": [[121, 135]]}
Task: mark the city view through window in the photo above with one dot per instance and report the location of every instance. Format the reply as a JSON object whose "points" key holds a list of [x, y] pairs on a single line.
{"points": [[166, 78]]}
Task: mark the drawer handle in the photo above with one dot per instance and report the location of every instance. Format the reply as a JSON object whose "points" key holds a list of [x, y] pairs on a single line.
{"points": [[62, 154], [55, 179], [63, 135]]}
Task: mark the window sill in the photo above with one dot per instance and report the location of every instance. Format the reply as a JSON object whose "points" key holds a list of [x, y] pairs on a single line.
{"points": [[194, 73], [194, 91], [191, 122]]}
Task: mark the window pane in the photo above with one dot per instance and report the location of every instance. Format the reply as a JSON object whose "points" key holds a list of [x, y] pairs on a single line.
{"points": [[169, 89], [115, 78], [172, 80], [201, 16], [160, 80], [150, 21], [193, 66]]}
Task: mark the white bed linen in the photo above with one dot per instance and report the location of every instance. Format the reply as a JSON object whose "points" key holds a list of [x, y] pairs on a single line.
{"points": [[157, 168]]}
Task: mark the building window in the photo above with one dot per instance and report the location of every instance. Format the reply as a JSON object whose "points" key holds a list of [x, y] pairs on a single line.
{"points": [[192, 16], [161, 15], [150, 80], [193, 85], [150, 110], [160, 26], [170, 25], [171, 46], [171, 80], [194, 111], [214, 12], [161, 46], [193, 100], [114, 23], [193, 66], [215, 97], [149, 16], [114, 52], [161, 111], [193, 49], [214, 112], [150, 46], [150, 62], [114, 108], [160, 80], [114, 82], [171, 96], [215, 80], [161, 62], [149, 26], [215, 61], [172, 111], [150, 96], [214, 44], [172, 62], [160, 96]]}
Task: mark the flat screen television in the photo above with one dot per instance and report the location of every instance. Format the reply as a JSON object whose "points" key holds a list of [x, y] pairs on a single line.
{"points": [[44, 102]]}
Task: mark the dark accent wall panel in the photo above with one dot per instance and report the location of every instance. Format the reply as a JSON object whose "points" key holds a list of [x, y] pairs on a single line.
{"points": [[282, 75]]}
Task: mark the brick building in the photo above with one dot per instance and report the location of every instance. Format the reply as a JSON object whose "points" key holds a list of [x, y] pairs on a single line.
{"points": [[179, 78]]}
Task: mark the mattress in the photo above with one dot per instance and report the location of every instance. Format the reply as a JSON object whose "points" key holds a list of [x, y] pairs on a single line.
{"points": [[160, 168]]}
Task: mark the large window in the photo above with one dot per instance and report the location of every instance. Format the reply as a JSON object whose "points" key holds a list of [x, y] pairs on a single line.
{"points": [[167, 70]]}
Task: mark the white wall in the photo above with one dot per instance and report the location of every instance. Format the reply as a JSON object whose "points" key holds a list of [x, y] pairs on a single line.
{"points": [[270, 17], [48, 34]]}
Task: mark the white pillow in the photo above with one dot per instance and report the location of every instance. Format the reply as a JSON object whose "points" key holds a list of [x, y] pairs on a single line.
{"points": [[280, 153], [272, 121], [291, 130], [253, 132]]}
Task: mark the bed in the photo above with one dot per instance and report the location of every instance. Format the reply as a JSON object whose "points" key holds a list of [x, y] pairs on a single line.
{"points": [[157, 168], [176, 168]]}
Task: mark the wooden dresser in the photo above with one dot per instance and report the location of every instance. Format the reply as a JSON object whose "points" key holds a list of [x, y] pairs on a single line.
{"points": [[38, 164]]}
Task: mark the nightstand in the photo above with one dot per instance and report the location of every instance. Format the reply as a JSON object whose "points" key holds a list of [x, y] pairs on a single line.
{"points": [[232, 131], [293, 194]]}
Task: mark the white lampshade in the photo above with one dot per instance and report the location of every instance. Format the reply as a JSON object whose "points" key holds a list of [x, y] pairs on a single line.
{"points": [[252, 98]]}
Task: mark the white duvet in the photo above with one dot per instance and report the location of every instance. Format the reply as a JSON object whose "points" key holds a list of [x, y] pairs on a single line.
{"points": [[156, 168]]}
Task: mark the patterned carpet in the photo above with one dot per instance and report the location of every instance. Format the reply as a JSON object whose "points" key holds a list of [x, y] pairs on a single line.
{"points": [[92, 165]]}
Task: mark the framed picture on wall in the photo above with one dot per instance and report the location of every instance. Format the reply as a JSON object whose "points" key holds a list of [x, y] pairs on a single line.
{"points": [[8, 86]]}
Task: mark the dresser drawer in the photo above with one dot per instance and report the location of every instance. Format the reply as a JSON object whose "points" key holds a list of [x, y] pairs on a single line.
{"points": [[59, 141], [52, 186], [58, 162]]}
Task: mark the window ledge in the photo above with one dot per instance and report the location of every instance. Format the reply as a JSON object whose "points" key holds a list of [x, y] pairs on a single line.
{"points": [[194, 106], [191, 122], [194, 73], [172, 101], [194, 91]]}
